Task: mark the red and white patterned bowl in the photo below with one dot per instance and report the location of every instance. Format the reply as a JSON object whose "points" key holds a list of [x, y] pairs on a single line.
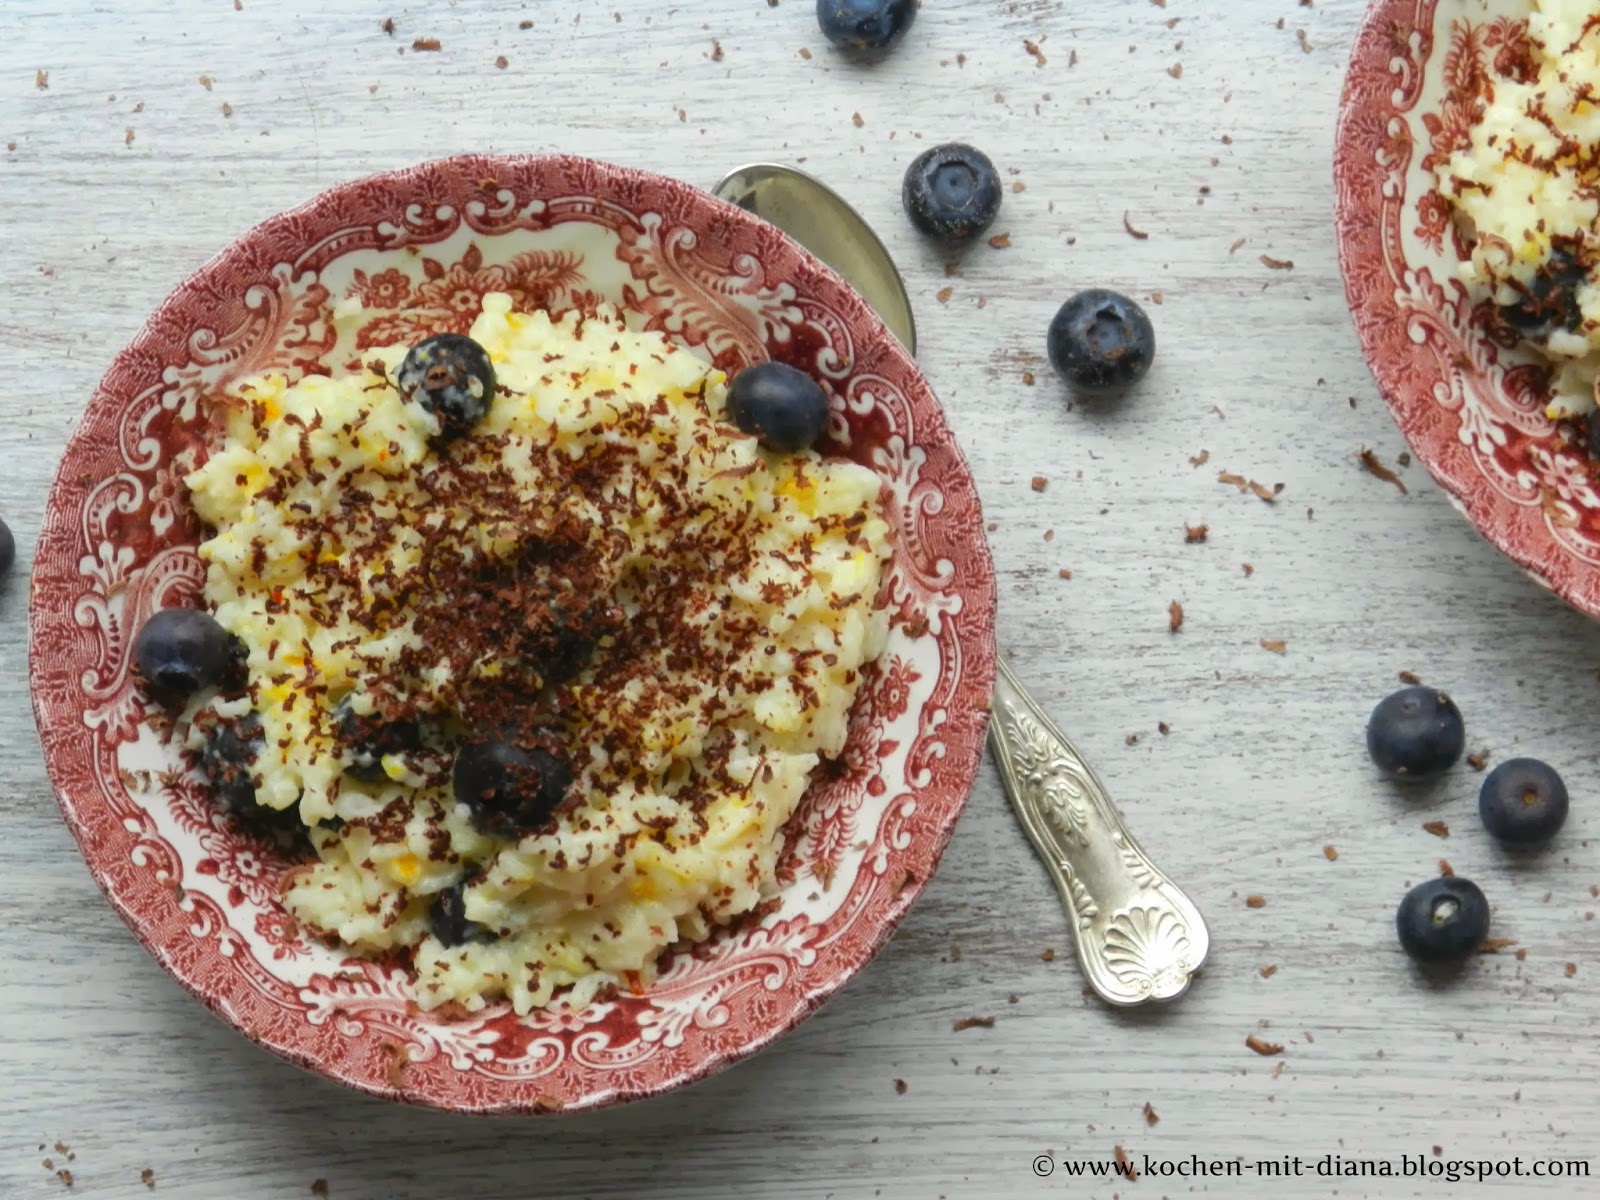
{"points": [[1471, 407], [422, 246]]}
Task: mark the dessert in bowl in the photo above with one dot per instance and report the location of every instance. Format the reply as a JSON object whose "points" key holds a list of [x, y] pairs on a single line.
{"points": [[726, 696], [1471, 260]]}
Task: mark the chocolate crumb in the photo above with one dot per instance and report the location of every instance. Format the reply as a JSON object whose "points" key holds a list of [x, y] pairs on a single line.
{"points": [[227, 109], [65, 1176], [1176, 70], [1305, 42], [1410, 677], [1131, 740], [397, 1065], [524, 24], [900, 1086], [1277, 264], [1049, 535], [1195, 533], [1047, 955], [502, 62], [1013, 998], [1369, 460], [428, 43], [857, 120], [1571, 969], [1063, 573], [1479, 759], [716, 50], [1248, 570], [1237, 246], [41, 80], [1040, 483], [205, 82], [1446, 871], [1150, 1117], [805, 54], [1032, 48], [943, 295], [1495, 945], [1000, 241], [1263, 1047], [1174, 617], [1027, 379], [1256, 901], [972, 1023], [1269, 972], [1200, 460], [1522, 955], [1330, 853], [1124, 1167], [319, 1187], [1128, 225], [1276, 645], [1437, 828], [388, 26], [1163, 728]]}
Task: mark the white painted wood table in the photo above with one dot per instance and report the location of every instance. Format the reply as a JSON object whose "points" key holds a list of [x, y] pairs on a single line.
{"points": [[167, 127]]}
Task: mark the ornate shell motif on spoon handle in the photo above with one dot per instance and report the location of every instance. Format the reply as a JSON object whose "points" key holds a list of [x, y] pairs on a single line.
{"points": [[1137, 936]]}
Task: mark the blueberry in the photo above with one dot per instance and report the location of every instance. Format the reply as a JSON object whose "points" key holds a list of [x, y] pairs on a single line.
{"points": [[951, 192], [1415, 733], [367, 739], [1550, 303], [1593, 439], [865, 28], [1523, 801], [8, 547], [180, 651], [449, 923], [1101, 342], [785, 408], [507, 788], [227, 760], [451, 376], [1443, 920]]}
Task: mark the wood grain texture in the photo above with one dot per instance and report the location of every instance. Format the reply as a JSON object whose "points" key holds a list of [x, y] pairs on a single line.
{"points": [[1263, 765]]}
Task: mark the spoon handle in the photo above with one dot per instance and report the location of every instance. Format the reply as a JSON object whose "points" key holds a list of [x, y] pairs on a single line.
{"points": [[1137, 936]]}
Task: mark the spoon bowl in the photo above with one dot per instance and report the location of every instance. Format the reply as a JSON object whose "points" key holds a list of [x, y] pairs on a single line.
{"points": [[817, 217]]}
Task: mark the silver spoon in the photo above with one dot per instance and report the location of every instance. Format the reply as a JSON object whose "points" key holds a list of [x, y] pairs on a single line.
{"points": [[1137, 936]]}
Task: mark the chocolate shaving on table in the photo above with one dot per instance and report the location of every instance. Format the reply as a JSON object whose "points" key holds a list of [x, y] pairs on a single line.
{"points": [[1369, 460], [1128, 225]]}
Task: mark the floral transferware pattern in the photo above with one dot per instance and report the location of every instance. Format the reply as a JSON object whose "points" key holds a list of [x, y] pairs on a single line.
{"points": [[418, 249], [1470, 402]]}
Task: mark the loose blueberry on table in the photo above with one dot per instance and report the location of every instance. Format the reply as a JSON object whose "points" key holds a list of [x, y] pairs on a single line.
{"points": [[1101, 342], [951, 192], [451, 376], [181, 651], [865, 28], [1523, 802], [785, 408], [509, 790], [1415, 733], [8, 547], [1443, 920]]}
